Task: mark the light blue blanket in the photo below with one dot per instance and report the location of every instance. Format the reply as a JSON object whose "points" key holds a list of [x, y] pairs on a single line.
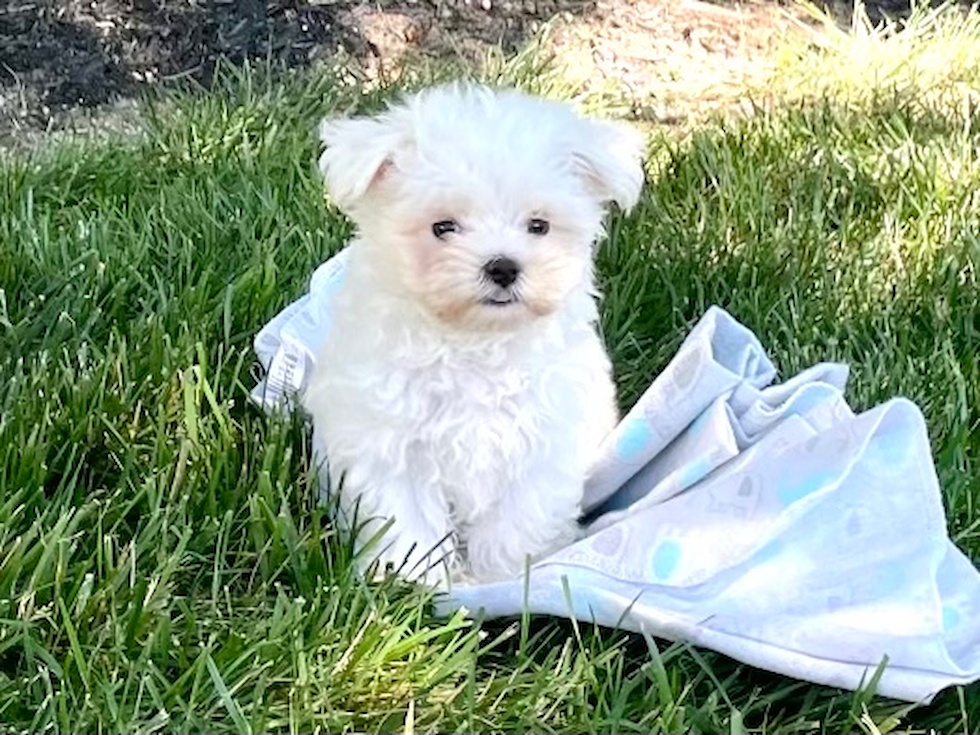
{"points": [[766, 521]]}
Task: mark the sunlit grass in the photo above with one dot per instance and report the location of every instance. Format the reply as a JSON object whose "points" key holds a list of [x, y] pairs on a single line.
{"points": [[928, 61]]}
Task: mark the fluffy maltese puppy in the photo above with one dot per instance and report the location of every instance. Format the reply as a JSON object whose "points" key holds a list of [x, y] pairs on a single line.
{"points": [[463, 390]]}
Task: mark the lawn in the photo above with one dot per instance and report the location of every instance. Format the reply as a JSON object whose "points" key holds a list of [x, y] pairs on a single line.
{"points": [[163, 562]]}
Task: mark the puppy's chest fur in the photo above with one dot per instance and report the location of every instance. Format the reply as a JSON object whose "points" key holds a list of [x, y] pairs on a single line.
{"points": [[473, 417], [474, 425]]}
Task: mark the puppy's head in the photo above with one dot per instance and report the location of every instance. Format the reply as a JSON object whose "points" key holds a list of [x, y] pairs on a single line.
{"points": [[481, 205]]}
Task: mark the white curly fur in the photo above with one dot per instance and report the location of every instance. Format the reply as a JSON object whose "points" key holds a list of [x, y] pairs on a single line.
{"points": [[463, 412]]}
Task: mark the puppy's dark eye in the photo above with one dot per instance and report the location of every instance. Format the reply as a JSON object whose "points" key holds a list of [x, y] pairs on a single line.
{"points": [[538, 226], [443, 228]]}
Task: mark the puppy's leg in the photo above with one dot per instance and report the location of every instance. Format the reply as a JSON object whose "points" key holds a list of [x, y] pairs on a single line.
{"points": [[537, 516], [408, 529]]}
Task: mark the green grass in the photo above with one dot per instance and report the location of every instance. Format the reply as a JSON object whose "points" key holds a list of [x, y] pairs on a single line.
{"points": [[163, 563]]}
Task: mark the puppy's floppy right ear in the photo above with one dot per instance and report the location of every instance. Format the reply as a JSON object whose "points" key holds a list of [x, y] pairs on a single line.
{"points": [[610, 156], [358, 153]]}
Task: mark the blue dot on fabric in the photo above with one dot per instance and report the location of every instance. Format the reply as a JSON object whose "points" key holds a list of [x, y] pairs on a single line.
{"points": [[791, 493], [636, 437], [807, 400], [694, 472], [666, 558], [951, 617], [891, 579], [889, 450]]}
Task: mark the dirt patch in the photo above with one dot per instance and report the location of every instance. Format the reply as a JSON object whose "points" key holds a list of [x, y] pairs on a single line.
{"points": [[62, 54], [59, 56], [679, 60]]}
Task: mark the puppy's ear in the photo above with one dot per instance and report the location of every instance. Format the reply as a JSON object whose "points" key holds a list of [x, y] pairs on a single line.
{"points": [[610, 157], [358, 153]]}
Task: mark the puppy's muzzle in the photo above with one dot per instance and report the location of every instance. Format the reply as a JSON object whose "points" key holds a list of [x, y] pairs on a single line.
{"points": [[502, 271]]}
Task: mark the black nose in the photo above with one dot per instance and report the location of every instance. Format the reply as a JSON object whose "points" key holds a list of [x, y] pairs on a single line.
{"points": [[502, 271]]}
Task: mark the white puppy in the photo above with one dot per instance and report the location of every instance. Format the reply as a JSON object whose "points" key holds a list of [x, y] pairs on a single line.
{"points": [[463, 390]]}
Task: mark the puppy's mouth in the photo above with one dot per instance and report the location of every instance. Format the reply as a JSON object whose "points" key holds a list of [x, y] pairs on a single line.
{"points": [[500, 300]]}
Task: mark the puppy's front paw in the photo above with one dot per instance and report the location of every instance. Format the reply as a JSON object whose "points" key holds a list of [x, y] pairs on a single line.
{"points": [[503, 549], [397, 553]]}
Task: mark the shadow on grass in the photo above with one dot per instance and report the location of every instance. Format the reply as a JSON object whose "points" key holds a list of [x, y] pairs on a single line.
{"points": [[67, 54]]}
